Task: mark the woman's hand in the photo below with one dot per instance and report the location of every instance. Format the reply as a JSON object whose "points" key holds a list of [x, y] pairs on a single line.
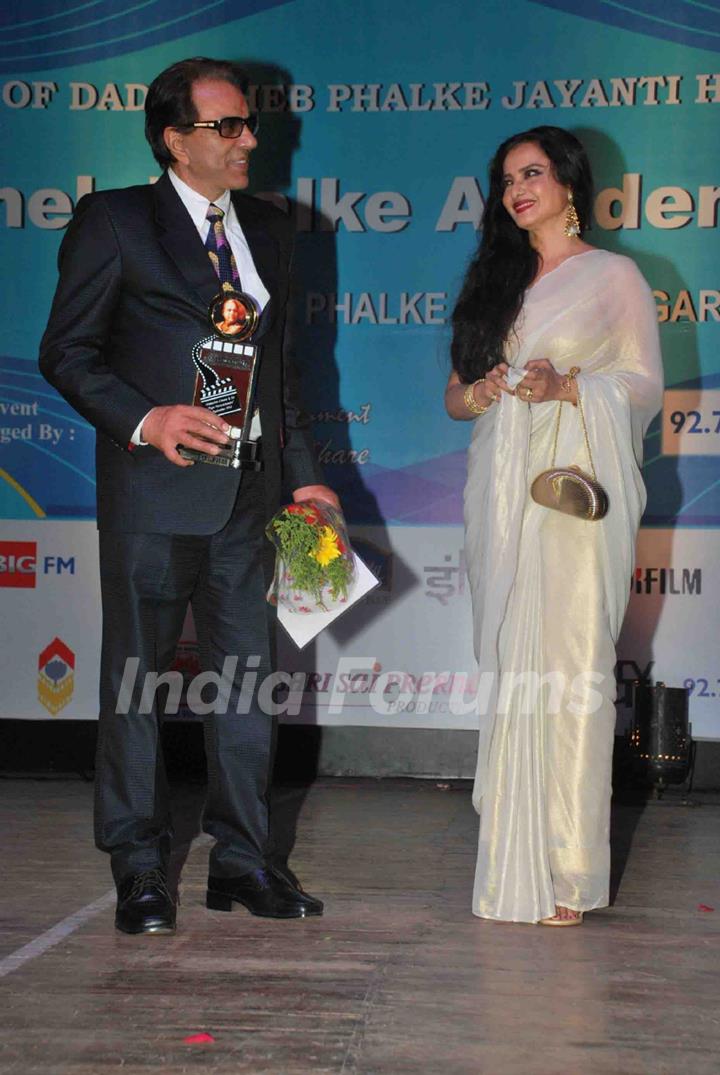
{"points": [[496, 381], [484, 393], [542, 382]]}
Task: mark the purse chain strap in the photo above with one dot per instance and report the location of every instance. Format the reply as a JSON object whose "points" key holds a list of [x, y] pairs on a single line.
{"points": [[585, 434]]}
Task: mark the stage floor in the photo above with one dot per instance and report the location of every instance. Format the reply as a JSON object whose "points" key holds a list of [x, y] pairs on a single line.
{"points": [[397, 977]]}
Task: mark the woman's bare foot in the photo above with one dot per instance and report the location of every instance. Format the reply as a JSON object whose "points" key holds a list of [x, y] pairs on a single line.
{"points": [[564, 916], [566, 912]]}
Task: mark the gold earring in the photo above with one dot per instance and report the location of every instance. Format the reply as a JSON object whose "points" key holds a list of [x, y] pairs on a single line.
{"points": [[572, 220]]}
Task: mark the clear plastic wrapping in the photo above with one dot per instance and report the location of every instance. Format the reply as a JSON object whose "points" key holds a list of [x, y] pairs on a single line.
{"points": [[314, 564]]}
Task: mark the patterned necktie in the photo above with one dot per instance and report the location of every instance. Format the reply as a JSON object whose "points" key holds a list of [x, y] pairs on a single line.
{"points": [[219, 251]]}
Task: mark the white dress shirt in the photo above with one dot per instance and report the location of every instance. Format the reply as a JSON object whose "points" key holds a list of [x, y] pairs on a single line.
{"points": [[250, 282]]}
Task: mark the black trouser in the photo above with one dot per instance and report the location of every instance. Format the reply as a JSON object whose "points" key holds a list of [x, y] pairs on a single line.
{"points": [[147, 581]]}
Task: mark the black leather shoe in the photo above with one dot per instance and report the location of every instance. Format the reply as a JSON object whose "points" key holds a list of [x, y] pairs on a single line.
{"points": [[287, 877], [144, 904], [263, 892]]}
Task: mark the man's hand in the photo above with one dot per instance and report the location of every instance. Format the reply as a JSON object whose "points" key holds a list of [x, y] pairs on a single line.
{"points": [[192, 427], [317, 492]]}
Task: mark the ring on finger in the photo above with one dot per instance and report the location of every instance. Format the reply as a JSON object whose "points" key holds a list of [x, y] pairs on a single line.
{"points": [[528, 393]]}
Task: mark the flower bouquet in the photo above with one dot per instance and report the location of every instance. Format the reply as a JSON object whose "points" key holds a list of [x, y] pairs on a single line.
{"points": [[314, 565]]}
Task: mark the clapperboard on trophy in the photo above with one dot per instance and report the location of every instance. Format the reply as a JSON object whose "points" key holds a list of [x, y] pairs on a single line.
{"points": [[227, 366]]}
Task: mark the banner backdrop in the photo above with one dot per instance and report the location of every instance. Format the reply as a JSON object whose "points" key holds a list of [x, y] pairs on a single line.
{"points": [[377, 126]]}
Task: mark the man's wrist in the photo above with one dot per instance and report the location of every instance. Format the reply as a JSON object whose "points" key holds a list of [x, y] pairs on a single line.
{"points": [[136, 441]]}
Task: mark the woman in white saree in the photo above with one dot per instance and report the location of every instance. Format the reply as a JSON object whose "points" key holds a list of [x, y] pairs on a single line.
{"points": [[549, 590]]}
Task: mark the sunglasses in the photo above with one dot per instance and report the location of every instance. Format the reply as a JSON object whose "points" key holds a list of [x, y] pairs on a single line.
{"points": [[231, 126]]}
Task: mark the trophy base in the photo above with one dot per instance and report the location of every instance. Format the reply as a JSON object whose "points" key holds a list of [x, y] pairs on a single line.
{"points": [[241, 455]]}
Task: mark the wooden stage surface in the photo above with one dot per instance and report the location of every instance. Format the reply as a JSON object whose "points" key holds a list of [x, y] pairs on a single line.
{"points": [[397, 977]]}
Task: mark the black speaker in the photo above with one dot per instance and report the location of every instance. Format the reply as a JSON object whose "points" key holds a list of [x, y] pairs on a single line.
{"points": [[661, 734]]}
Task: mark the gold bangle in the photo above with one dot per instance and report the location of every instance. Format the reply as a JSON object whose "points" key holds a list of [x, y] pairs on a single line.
{"points": [[567, 382], [469, 398]]}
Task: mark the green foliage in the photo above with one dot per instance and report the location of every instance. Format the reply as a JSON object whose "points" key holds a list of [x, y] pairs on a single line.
{"points": [[298, 541]]}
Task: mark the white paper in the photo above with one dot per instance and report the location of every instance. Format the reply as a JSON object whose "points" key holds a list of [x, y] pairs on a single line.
{"points": [[304, 626]]}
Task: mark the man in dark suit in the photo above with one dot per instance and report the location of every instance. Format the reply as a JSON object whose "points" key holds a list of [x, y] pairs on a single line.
{"points": [[139, 268]]}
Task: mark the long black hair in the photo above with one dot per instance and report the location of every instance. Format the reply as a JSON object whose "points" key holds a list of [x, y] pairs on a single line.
{"points": [[505, 263]]}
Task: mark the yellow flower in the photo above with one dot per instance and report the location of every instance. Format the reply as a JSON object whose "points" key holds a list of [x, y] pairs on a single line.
{"points": [[327, 549]]}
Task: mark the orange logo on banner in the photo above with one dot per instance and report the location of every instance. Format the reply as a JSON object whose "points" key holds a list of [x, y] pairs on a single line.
{"points": [[56, 678]]}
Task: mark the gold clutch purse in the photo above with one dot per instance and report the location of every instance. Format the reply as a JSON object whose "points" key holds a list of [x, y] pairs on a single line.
{"points": [[569, 489]]}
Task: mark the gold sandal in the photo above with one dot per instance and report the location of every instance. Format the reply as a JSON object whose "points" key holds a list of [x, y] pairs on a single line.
{"points": [[576, 920]]}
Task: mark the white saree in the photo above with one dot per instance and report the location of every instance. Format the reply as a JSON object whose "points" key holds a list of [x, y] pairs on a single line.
{"points": [[550, 591]]}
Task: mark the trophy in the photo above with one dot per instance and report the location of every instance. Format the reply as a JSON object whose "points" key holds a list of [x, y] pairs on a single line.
{"points": [[227, 366]]}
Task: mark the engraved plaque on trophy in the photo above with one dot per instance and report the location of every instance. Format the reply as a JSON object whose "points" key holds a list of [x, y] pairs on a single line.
{"points": [[227, 365]]}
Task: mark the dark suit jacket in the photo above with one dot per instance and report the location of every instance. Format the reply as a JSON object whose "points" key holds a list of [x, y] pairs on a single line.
{"points": [[132, 300]]}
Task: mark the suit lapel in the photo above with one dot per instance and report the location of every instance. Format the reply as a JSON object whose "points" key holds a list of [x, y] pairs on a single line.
{"points": [[263, 246], [179, 238], [264, 250]]}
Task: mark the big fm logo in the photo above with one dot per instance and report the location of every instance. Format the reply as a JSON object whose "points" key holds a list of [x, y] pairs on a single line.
{"points": [[668, 580], [19, 564]]}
